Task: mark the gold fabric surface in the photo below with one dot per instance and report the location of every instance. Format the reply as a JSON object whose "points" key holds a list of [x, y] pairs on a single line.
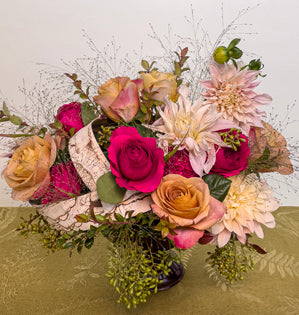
{"points": [[33, 283]]}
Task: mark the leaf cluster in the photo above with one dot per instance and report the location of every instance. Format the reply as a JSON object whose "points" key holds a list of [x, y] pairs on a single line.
{"points": [[23, 127], [89, 109], [179, 64], [53, 239]]}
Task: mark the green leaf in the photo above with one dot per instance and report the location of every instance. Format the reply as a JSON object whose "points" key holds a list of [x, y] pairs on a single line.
{"points": [[235, 53], [119, 217], [108, 190], [145, 132], [83, 96], [56, 125], [79, 247], [72, 131], [87, 90], [145, 65], [264, 157], [89, 242], [218, 185], [87, 113], [233, 43], [99, 218], [143, 108], [6, 110], [15, 120], [68, 245], [82, 217]]}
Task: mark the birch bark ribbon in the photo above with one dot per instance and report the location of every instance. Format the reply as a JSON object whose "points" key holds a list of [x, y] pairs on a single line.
{"points": [[90, 163]]}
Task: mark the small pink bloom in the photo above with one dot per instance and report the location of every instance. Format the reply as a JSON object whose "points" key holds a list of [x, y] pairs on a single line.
{"points": [[65, 182], [70, 116], [179, 164], [135, 161]]}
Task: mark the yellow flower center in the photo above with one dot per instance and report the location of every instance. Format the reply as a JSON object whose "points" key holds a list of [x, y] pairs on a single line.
{"points": [[229, 99], [182, 123]]}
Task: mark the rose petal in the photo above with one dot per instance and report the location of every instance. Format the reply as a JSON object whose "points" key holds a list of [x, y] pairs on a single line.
{"points": [[217, 210], [185, 237]]}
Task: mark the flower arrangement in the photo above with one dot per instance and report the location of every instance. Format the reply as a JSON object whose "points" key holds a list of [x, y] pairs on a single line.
{"points": [[154, 171]]}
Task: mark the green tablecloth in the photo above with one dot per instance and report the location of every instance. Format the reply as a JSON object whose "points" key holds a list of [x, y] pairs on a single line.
{"points": [[33, 283]]}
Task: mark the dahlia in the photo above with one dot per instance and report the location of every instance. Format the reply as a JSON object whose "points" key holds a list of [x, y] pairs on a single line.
{"points": [[193, 127], [231, 91], [249, 203]]}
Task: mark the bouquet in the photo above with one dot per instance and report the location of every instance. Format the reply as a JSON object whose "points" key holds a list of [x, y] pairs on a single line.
{"points": [[154, 170]]}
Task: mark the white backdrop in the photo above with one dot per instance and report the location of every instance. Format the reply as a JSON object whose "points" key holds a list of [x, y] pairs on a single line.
{"points": [[49, 31]]}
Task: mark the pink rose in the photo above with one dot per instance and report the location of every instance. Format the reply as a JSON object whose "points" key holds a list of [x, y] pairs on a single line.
{"points": [[135, 161], [65, 183], [230, 162], [70, 116], [119, 98]]}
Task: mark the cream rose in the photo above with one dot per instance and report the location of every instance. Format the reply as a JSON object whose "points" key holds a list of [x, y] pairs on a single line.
{"points": [[27, 172], [162, 83], [187, 203]]}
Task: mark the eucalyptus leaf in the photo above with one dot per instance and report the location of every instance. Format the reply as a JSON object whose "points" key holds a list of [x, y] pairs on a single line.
{"points": [[218, 185], [108, 190], [87, 113]]}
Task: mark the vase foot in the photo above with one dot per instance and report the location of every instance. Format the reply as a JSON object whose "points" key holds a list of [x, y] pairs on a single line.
{"points": [[175, 275]]}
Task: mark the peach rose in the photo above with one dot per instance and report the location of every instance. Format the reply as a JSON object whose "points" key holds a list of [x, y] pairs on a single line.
{"points": [[187, 203], [119, 98], [27, 172], [162, 83], [279, 160]]}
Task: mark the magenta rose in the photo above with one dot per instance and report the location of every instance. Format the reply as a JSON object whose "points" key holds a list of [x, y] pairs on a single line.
{"points": [[65, 183], [70, 116], [230, 162], [135, 161]]}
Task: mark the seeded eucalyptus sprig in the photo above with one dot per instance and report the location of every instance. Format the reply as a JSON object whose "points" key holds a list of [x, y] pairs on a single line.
{"points": [[234, 140], [234, 259]]}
